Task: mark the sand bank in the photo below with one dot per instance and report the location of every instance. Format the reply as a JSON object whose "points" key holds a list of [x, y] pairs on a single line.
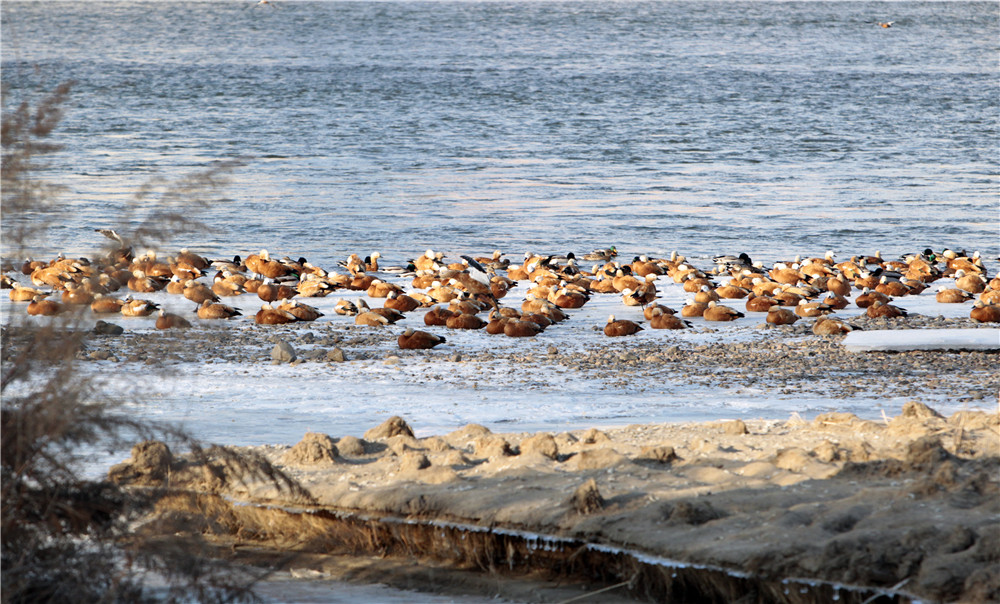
{"points": [[837, 507]]}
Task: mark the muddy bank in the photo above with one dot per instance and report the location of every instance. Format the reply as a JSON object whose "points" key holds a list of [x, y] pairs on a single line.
{"points": [[785, 360], [908, 506]]}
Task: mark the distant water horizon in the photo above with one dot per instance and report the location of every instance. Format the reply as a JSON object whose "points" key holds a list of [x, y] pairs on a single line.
{"points": [[704, 127]]}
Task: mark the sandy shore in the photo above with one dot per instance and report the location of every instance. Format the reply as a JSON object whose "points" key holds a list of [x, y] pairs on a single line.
{"points": [[909, 505]]}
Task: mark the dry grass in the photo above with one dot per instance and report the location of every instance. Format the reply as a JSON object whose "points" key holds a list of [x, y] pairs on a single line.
{"points": [[66, 538]]}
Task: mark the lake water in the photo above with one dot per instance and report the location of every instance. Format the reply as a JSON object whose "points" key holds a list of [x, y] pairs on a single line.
{"points": [[706, 127]]}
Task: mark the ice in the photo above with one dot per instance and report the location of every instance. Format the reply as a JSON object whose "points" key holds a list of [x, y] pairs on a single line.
{"points": [[923, 339]]}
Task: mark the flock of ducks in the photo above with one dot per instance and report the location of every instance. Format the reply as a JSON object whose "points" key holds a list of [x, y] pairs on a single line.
{"points": [[471, 292]]}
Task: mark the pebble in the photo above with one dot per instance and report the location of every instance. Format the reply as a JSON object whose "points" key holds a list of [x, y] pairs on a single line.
{"points": [[336, 355], [283, 352]]}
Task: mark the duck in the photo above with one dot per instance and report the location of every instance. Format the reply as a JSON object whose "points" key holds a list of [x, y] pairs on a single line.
{"points": [[620, 327], [465, 321], [39, 306], [176, 285], [268, 315], [228, 285], [812, 309], [413, 339], [217, 310], [567, 298], [166, 320], [781, 316], [199, 292], [788, 275], [624, 279], [883, 310], [693, 309], [270, 291], [731, 292], [141, 283], [437, 316], [428, 261], [516, 328], [760, 303], [496, 323], [26, 294], [345, 307], [867, 297], [539, 319], [381, 289], [786, 298], [952, 296], [302, 312], [830, 327], [391, 315], [465, 305], [985, 313], [654, 309], [74, 294], [262, 264], [602, 254], [892, 287], [715, 312], [706, 295], [838, 285], [661, 320], [836, 301], [401, 302], [370, 319], [138, 308], [973, 283], [103, 304]]}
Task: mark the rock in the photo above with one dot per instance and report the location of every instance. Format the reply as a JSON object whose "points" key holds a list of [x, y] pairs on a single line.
{"points": [[283, 352], [389, 428], [351, 445], [736, 427], [391, 360], [919, 411], [695, 513], [456, 358], [103, 328], [542, 443], [793, 459], [491, 446], [313, 449], [587, 498], [597, 459], [552, 350], [436, 444], [336, 355], [469, 432], [99, 355], [413, 461], [826, 452], [149, 465], [594, 436], [658, 453]]}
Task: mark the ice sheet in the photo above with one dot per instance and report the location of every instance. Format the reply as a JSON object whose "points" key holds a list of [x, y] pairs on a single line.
{"points": [[923, 339]]}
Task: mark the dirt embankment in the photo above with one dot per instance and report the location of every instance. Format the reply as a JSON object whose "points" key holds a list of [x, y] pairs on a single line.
{"points": [[910, 505]]}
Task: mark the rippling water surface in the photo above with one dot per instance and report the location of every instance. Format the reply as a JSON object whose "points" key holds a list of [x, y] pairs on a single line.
{"points": [[774, 128]]}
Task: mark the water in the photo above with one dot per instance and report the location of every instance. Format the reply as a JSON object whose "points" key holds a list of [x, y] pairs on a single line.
{"points": [[772, 128]]}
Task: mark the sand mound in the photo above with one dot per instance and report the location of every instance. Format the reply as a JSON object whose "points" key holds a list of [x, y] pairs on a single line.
{"points": [[313, 449]]}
